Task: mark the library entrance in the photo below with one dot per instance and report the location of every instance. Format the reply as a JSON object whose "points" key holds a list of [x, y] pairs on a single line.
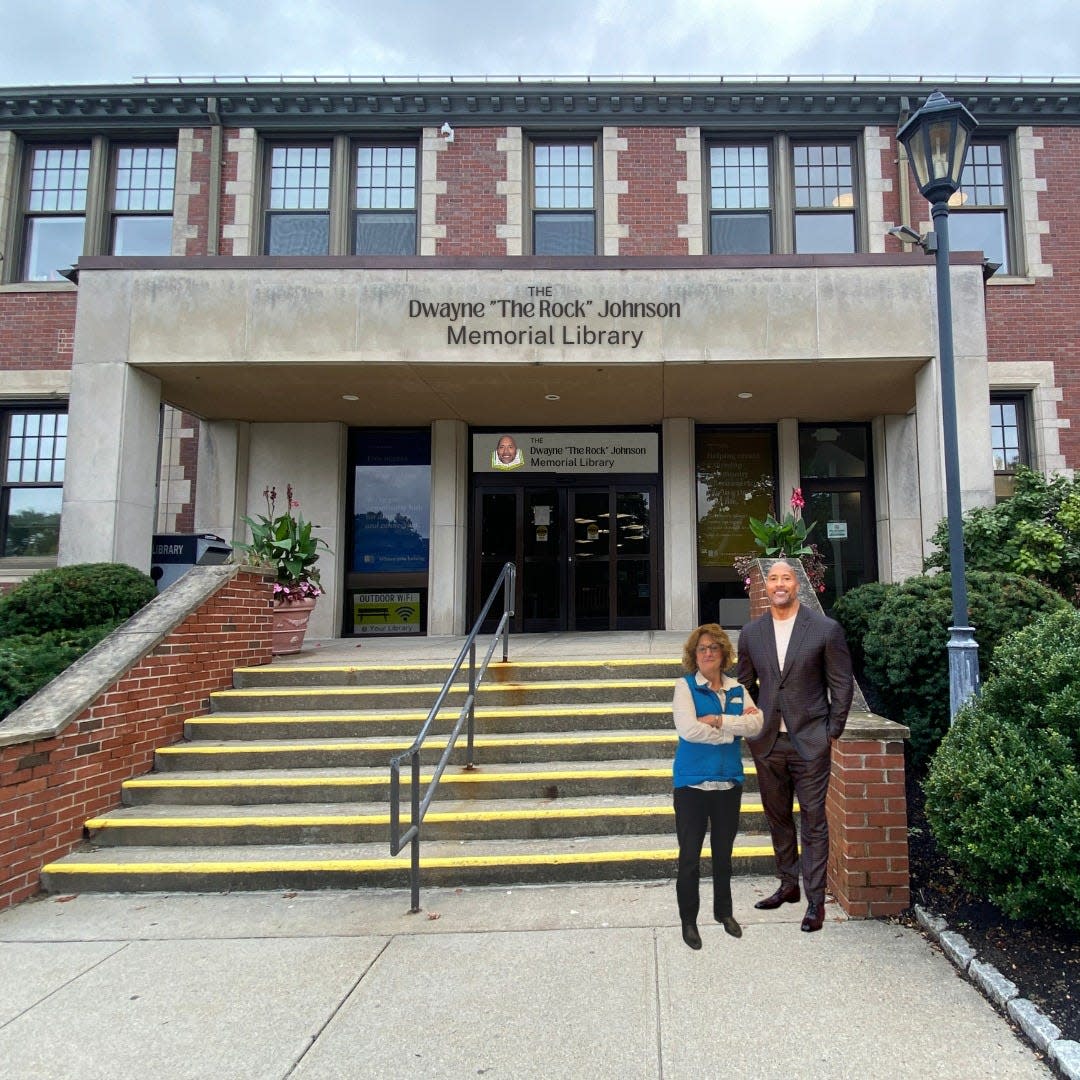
{"points": [[586, 552]]}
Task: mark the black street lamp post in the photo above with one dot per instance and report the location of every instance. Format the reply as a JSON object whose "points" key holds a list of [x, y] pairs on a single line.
{"points": [[936, 139]]}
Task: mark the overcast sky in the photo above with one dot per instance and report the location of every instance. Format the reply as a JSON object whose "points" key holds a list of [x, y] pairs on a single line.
{"points": [[71, 42]]}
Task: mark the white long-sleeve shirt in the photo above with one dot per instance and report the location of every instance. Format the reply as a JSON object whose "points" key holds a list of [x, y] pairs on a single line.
{"points": [[693, 730]]}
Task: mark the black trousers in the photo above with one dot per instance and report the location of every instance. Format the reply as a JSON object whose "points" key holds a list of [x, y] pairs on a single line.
{"points": [[695, 812]]}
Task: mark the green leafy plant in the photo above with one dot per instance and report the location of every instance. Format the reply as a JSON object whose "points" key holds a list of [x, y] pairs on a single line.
{"points": [[905, 643], [787, 537], [284, 543], [1003, 790]]}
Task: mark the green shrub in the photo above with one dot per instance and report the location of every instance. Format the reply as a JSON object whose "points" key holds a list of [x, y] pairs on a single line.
{"points": [[854, 612], [1035, 532], [1003, 791], [907, 661], [29, 661], [74, 597]]}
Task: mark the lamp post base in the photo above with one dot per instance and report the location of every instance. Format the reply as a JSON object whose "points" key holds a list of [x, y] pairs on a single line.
{"points": [[963, 667]]}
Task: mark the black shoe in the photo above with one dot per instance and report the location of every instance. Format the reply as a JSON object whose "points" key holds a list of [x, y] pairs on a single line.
{"points": [[786, 894], [690, 935], [814, 917], [731, 926]]}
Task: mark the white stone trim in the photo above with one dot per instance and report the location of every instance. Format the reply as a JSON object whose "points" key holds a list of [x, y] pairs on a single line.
{"points": [[431, 187], [244, 146], [875, 146], [1032, 227], [693, 229], [174, 486], [7, 192], [1037, 378], [187, 146], [613, 187], [513, 190], [42, 383]]}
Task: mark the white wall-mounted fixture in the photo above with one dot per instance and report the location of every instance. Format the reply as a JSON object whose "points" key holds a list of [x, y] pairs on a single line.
{"points": [[447, 132]]}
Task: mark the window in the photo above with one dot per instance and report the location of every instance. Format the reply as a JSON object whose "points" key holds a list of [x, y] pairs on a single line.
{"points": [[1008, 440], [740, 220], [55, 208], [979, 221], [564, 199], [385, 200], [824, 186], [298, 219], [781, 194], [144, 178], [34, 445]]}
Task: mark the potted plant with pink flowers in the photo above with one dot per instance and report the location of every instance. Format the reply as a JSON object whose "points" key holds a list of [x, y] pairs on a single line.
{"points": [[787, 539], [283, 542]]}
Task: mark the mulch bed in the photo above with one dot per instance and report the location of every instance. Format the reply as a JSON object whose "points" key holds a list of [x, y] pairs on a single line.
{"points": [[1043, 961]]}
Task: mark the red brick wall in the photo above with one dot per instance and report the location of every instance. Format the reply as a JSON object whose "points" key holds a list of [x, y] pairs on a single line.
{"points": [[652, 207], [49, 788], [199, 205], [189, 459], [867, 812], [228, 202], [37, 330], [471, 208]]}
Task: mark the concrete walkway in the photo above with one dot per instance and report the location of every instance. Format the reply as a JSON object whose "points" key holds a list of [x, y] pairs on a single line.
{"points": [[586, 981]]}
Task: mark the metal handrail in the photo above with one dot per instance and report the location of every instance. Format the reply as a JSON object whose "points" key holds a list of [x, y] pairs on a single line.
{"points": [[505, 580]]}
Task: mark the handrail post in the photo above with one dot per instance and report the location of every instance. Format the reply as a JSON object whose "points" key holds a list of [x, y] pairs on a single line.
{"points": [[472, 709], [508, 605], [414, 869]]}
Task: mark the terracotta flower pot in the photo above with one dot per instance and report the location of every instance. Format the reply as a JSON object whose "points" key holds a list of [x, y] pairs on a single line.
{"points": [[290, 625]]}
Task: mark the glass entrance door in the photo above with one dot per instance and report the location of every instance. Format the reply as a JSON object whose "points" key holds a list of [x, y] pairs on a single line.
{"points": [[585, 555]]}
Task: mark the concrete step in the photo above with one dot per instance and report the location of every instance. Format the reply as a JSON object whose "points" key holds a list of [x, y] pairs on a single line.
{"points": [[488, 750], [352, 724], [539, 780], [310, 699], [342, 866], [315, 823], [360, 674]]}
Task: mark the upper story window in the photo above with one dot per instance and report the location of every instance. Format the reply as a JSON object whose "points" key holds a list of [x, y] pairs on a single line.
{"points": [[62, 219], [564, 198], [1008, 439], [144, 178], [298, 216], [824, 184], [979, 218], [31, 493], [55, 210], [385, 200], [740, 219], [807, 204], [312, 208]]}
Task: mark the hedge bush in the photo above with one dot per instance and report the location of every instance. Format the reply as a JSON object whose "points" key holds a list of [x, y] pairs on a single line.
{"points": [[855, 610], [48, 621], [1003, 791], [906, 659], [75, 597]]}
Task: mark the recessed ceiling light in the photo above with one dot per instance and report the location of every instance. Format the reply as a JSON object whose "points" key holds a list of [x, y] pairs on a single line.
{"points": [[551, 397], [745, 395], [349, 397]]}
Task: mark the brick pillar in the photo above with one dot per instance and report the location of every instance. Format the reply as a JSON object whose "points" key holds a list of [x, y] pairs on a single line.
{"points": [[867, 805]]}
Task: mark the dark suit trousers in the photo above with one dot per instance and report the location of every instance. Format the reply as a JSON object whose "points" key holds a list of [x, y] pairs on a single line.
{"points": [[783, 774], [695, 810]]}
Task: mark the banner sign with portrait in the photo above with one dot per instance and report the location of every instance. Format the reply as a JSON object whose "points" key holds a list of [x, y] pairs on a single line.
{"points": [[567, 452]]}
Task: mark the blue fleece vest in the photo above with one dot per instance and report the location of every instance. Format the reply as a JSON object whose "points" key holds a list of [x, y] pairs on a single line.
{"points": [[697, 762]]}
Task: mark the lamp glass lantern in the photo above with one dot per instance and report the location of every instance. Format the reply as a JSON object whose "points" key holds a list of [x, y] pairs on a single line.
{"points": [[936, 139]]}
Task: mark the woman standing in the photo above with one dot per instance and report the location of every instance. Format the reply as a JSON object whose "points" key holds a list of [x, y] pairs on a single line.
{"points": [[711, 712]]}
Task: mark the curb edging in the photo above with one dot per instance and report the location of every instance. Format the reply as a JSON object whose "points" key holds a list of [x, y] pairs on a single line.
{"points": [[1036, 1026]]}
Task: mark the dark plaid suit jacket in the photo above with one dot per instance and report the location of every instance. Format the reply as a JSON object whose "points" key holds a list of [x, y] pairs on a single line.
{"points": [[813, 693]]}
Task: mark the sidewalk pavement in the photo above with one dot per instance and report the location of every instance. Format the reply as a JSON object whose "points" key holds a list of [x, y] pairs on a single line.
{"points": [[546, 981]]}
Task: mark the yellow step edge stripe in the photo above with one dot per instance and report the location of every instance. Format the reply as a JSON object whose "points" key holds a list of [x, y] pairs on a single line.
{"points": [[402, 744], [384, 819], [481, 714], [361, 866], [277, 669], [484, 688]]}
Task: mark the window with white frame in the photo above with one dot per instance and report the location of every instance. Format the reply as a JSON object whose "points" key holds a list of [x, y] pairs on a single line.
{"points": [[385, 200], [298, 200], [31, 493], [740, 199], [823, 175], [54, 223], [144, 179], [564, 198]]}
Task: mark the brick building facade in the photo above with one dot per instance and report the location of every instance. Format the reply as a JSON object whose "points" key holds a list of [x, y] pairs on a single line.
{"points": [[681, 300]]}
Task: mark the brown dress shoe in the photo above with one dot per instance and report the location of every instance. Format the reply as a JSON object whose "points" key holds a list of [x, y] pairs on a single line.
{"points": [[814, 917], [786, 894]]}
